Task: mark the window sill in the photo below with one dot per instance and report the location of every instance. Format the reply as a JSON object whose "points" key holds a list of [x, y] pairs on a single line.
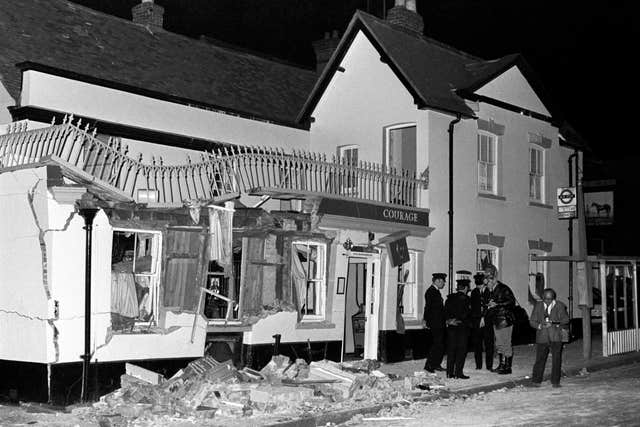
{"points": [[540, 205], [315, 324], [492, 196], [412, 322], [236, 326]]}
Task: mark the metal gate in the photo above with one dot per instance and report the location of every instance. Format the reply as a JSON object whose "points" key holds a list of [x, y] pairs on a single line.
{"points": [[618, 284]]}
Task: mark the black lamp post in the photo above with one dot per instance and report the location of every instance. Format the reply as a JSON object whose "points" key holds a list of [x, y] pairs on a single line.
{"points": [[87, 209]]}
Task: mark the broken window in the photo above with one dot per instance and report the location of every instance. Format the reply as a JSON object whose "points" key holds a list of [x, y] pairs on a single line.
{"points": [[185, 267], [215, 308], [308, 275], [134, 277]]}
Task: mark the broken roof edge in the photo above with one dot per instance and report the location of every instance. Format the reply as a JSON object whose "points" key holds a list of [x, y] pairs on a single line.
{"points": [[161, 96], [355, 25]]}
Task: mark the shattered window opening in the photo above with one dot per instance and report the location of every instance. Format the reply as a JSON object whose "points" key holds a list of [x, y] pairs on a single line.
{"points": [[215, 308], [308, 275], [134, 277]]}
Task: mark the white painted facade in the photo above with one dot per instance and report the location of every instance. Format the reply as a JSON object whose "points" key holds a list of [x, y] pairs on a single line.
{"points": [[27, 317], [117, 106], [357, 108], [24, 313], [367, 97]]}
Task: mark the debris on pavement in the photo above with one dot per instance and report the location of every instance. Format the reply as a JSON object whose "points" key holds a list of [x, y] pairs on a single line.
{"points": [[208, 389]]}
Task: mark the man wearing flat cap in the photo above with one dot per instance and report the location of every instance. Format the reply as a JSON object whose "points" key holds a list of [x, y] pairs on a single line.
{"points": [[458, 320], [433, 322]]}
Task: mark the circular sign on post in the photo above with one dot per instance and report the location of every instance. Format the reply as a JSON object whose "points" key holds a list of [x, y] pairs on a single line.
{"points": [[567, 203]]}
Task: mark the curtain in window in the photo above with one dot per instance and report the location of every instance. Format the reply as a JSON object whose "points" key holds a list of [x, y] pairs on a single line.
{"points": [[124, 300], [221, 238], [399, 319], [536, 287], [485, 258], [299, 278]]}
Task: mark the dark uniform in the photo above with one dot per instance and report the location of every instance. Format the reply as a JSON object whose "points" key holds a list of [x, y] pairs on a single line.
{"points": [[458, 319], [481, 336], [434, 322]]}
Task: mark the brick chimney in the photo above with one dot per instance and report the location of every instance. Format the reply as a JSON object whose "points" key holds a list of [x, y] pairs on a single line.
{"points": [[324, 49], [148, 13], [404, 17]]}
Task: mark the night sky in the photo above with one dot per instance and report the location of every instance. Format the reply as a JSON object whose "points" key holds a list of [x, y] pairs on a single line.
{"points": [[583, 51]]}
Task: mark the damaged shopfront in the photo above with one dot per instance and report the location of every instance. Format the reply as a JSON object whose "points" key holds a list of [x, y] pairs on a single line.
{"points": [[183, 263]]}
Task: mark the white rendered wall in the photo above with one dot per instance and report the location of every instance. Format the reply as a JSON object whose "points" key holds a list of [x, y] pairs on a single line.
{"points": [[23, 301], [360, 102], [62, 94], [68, 288], [513, 218], [511, 87]]}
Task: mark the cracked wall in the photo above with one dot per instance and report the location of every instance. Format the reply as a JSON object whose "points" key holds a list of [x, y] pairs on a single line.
{"points": [[24, 306]]}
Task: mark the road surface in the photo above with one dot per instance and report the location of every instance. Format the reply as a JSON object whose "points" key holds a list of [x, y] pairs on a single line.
{"points": [[604, 398]]}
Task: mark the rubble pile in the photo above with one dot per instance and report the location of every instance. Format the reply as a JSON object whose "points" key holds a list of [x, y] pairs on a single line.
{"points": [[206, 388]]}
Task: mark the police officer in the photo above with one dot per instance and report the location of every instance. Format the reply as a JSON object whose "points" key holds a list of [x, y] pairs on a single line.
{"points": [[458, 320], [433, 322], [481, 327]]}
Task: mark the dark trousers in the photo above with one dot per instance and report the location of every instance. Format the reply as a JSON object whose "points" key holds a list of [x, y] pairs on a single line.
{"points": [[542, 351], [482, 339], [435, 338], [457, 337]]}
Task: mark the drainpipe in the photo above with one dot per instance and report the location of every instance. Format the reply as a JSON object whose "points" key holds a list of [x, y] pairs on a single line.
{"points": [[451, 125], [570, 161], [88, 214]]}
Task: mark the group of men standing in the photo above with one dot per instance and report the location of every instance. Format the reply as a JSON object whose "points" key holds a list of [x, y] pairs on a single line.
{"points": [[487, 313]]}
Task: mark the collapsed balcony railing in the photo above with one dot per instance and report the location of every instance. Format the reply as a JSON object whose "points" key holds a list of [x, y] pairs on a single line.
{"points": [[225, 171]]}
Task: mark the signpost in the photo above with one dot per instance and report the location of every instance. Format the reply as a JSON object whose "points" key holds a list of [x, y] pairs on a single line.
{"points": [[567, 203]]}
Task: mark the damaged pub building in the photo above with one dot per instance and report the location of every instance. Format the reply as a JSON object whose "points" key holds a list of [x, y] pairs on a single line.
{"points": [[166, 198]]}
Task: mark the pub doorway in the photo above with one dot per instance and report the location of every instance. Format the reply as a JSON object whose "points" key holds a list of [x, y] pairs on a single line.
{"points": [[362, 301]]}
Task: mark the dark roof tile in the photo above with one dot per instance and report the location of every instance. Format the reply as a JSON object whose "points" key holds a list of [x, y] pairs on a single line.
{"points": [[61, 34]]}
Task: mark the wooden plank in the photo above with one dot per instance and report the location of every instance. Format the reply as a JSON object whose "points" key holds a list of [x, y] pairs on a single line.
{"points": [[253, 277]]}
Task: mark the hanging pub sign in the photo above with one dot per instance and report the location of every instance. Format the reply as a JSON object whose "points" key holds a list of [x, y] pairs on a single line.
{"points": [[567, 203], [398, 252], [397, 248]]}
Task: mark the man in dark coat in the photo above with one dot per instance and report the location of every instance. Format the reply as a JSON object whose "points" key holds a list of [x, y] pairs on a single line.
{"points": [[481, 329], [548, 317], [458, 320], [433, 322], [501, 310]]}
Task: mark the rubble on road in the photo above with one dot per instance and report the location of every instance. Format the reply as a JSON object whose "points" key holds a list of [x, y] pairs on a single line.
{"points": [[208, 389]]}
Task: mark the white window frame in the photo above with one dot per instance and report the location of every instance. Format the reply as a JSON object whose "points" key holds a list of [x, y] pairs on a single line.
{"points": [[537, 174], [154, 276], [387, 139], [349, 184], [485, 164], [497, 256], [320, 282], [410, 294]]}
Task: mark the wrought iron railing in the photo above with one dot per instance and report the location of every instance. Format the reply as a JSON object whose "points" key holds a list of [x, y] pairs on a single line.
{"points": [[226, 170]]}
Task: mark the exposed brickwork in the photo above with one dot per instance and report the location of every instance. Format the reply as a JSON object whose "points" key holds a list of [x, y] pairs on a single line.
{"points": [[406, 20], [148, 13]]}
